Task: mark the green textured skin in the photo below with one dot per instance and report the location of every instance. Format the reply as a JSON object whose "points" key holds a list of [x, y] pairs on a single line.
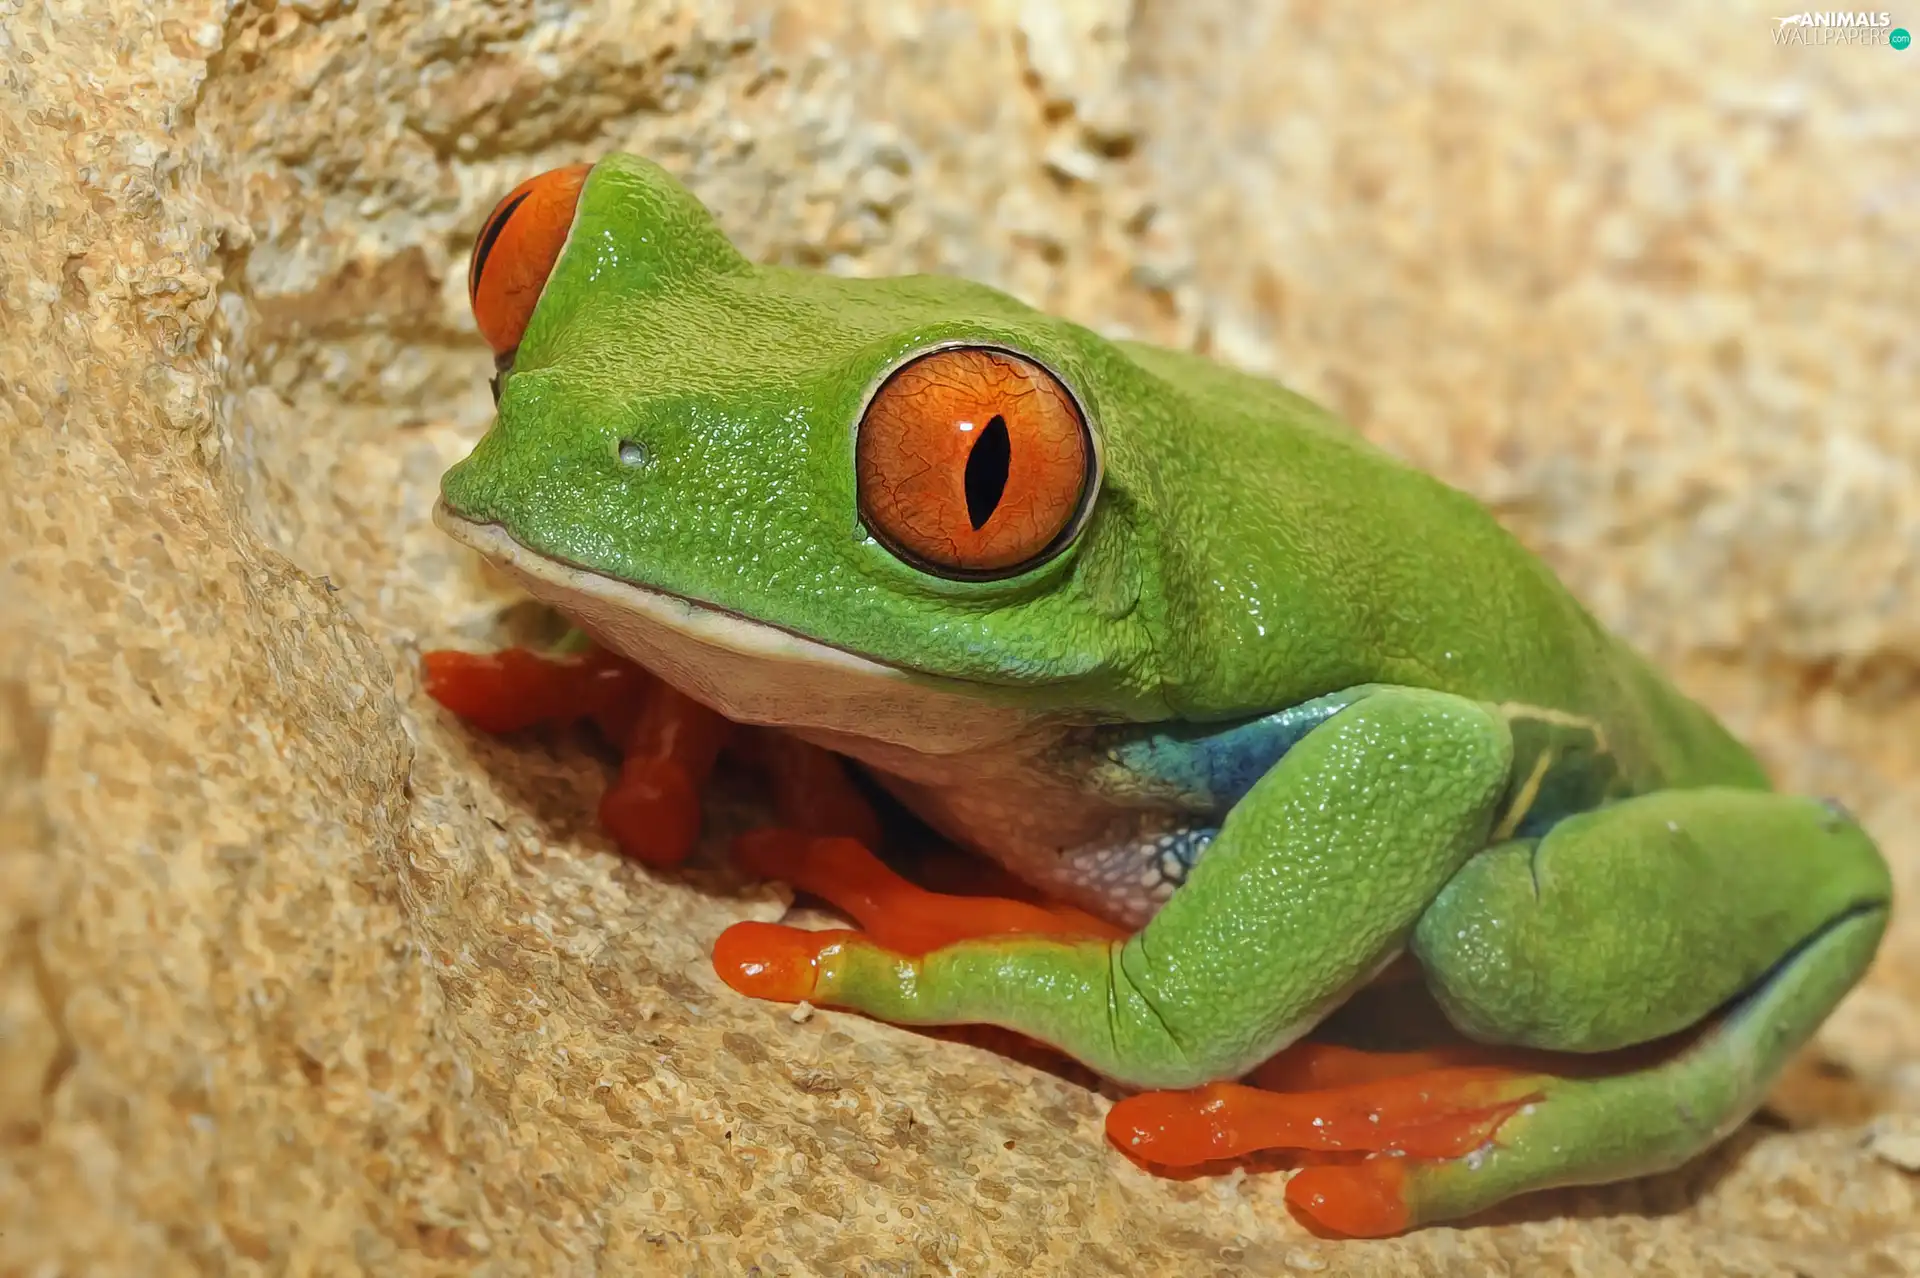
{"points": [[1337, 566], [1589, 1132], [1256, 946], [1683, 898], [1246, 553]]}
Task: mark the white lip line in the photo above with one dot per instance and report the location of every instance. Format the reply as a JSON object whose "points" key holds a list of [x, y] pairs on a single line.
{"points": [[688, 616]]}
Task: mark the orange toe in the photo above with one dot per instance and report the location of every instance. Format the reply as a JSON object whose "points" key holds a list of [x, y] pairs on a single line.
{"points": [[653, 811], [501, 691], [517, 688], [771, 961], [1358, 1200], [1173, 1129]]}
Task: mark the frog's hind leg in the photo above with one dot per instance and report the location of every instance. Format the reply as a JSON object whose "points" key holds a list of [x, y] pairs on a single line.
{"points": [[1740, 915]]}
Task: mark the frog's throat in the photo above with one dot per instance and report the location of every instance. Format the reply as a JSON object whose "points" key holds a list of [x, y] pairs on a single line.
{"points": [[752, 672]]}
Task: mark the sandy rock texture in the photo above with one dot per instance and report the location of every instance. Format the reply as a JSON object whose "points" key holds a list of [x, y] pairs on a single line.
{"points": [[301, 977]]}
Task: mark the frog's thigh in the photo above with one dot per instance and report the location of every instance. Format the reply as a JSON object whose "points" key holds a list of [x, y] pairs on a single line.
{"points": [[1314, 881], [1633, 921], [1625, 897], [1318, 875]]}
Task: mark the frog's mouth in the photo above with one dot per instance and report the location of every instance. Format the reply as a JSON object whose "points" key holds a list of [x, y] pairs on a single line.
{"points": [[749, 671]]}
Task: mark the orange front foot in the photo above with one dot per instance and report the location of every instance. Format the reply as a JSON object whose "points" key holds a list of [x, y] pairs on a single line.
{"points": [[1439, 1113], [517, 688], [669, 741], [898, 915], [652, 809]]}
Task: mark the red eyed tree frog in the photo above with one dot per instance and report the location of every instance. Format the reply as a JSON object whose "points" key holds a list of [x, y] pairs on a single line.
{"points": [[1265, 709]]}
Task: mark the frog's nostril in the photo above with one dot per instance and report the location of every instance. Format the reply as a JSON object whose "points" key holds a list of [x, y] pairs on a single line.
{"points": [[634, 453]]}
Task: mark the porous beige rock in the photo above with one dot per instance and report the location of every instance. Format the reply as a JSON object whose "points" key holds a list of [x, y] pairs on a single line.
{"points": [[302, 977]]}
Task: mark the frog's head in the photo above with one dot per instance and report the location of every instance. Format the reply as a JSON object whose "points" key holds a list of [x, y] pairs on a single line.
{"points": [[896, 509]]}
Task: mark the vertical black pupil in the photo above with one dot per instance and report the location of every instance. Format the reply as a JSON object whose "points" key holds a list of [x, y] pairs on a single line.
{"points": [[987, 467]]}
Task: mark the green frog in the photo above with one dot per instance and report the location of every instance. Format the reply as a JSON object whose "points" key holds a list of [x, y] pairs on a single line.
{"points": [[1175, 646]]}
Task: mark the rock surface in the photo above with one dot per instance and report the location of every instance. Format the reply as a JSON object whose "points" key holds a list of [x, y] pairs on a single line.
{"points": [[304, 978]]}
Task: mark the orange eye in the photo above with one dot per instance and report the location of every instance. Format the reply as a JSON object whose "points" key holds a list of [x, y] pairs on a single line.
{"points": [[972, 462], [515, 253]]}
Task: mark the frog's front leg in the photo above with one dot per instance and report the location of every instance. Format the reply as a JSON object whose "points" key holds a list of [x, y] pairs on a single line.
{"points": [[892, 912], [1314, 882]]}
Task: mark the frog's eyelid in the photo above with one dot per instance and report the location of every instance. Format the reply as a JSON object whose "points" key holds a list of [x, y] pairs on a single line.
{"points": [[517, 250], [488, 238]]}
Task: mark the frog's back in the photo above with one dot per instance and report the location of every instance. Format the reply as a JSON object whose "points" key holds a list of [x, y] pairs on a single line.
{"points": [[1321, 563]]}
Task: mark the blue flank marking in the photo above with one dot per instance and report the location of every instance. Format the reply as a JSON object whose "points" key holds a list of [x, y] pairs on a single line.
{"points": [[1213, 768]]}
